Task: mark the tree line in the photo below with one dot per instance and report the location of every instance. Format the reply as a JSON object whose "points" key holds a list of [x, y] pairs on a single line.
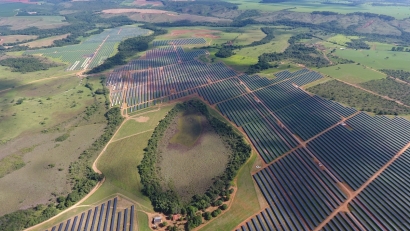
{"points": [[26, 64], [168, 201]]}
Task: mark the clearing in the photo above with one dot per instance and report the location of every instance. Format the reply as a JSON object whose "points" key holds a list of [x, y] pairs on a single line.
{"points": [[191, 155], [45, 41], [351, 73]]}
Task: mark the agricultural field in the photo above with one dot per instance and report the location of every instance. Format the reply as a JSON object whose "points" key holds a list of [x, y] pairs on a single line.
{"points": [[41, 22], [15, 38], [192, 154], [92, 51], [45, 41], [351, 73]]}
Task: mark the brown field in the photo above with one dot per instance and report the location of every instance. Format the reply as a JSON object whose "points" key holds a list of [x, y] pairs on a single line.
{"points": [[166, 17], [23, 22], [144, 3], [148, 11], [189, 169], [45, 42], [14, 38], [197, 33]]}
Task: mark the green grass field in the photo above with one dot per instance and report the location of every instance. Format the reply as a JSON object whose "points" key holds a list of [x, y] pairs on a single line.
{"points": [[378, 59], [351, 73]]}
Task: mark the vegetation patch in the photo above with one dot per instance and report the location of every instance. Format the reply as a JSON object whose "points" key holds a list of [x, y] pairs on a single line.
{"points": [[391, 88], [399, 74], [357, 98], [26, 64], [11, 163], [189, 129], [165, 197]]}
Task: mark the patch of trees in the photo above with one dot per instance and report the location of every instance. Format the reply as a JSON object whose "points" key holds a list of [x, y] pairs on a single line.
{"points": [[126, 49], [400, 49], [168, 201], [26, 64], [358, 44], [390, 88], [357, 98], [399, 74], [225, 52], [297, 52]]}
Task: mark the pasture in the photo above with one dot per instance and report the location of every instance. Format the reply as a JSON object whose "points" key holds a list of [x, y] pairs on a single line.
{"points": [[28, 110], [351, 73], [45, 41], [399, 12], [377, 59], [41, 22], [191, 155], [15, 38]]}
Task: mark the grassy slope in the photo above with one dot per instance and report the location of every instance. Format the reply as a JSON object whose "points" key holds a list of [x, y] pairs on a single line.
{"points": [[351, 73]]}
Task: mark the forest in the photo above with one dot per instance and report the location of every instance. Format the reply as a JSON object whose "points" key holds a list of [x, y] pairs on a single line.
{"points": [[168, 201], [357, 98]]}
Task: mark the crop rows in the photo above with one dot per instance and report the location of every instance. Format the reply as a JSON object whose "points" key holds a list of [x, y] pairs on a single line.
{"points": [[179, 42], [356, 149], [299, 193], [270, 139], [103, 217], [221, 91], [307, 118]]}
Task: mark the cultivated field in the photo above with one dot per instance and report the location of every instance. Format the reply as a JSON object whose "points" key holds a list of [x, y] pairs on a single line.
{"points": [[191, 155], [41, 22], [15, 38], [45, 41]]}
